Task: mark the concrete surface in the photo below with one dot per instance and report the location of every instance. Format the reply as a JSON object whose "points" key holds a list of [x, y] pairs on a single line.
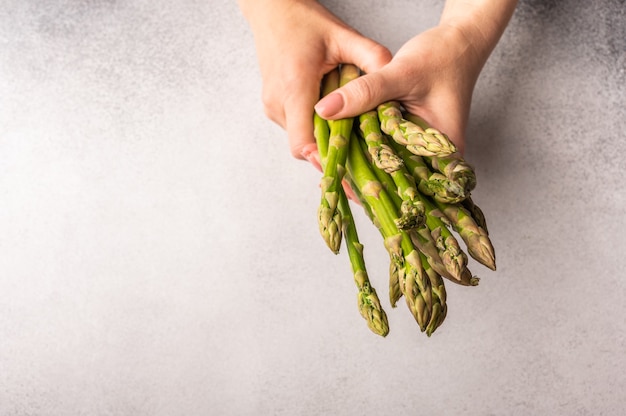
{"points": [[159, 253]]}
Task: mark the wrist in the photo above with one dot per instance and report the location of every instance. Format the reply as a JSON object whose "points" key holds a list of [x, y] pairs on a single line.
{"points": [[251, 7], [471, 36], [480, 22]]}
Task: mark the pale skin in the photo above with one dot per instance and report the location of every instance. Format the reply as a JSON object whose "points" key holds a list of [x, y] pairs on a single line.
{"points": [[433, 74]]}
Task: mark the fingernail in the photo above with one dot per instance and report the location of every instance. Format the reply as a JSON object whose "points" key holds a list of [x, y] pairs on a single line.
{"points": [[329, 105], [307, 149], [312, 156]]}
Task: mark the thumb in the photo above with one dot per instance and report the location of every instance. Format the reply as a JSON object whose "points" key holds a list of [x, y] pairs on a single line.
{"points": [[358, 96], [362, 93]]}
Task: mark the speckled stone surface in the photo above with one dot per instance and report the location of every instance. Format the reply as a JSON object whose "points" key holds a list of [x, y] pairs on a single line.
{"points": [[159, 252]]}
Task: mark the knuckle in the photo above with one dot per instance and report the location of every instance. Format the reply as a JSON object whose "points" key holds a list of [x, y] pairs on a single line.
{"points": [[382, 54]]}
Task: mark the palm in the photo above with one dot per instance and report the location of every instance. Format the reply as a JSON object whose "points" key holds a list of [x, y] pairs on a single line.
{"points": [[437, 76]]}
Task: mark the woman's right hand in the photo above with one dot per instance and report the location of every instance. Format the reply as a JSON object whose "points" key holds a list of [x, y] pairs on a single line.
{"points": [[297, 42]]}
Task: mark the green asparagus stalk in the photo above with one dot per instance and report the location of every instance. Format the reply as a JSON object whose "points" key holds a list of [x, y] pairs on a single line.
{"points": [[367, 298], [425, 243], [321, 129], [423, 142], [467, 219], [415, 187], [330, 82], [435, 185], [432, 237], [476, 212], [440, 307], [412, 281], [456, 169], [452, 165], [453, 257], [385, 179], [396, 263], [411, 208], [475, 237], [381, 154], [422, 237], [329, 218], [393, 243], [368, 302], [423, 240]]}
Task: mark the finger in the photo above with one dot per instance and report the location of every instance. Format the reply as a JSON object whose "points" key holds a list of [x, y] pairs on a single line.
{"points": [[271, 106], [368, 55], [298, 109], [349, 192], [358, 96], [310, 153]]}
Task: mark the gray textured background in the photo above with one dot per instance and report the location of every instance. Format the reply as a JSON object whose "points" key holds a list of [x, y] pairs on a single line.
{"points": [[159, 252]]}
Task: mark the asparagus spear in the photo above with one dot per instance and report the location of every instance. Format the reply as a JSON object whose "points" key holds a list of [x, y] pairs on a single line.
{"points": [[453, 258], [456, 169], [413, 283], [423, 142], [385, 179], [435, 185], [396, 263], [423, 240], [385, 175], [440, 307], [476, 212], [321, 129], [394, 284], [367, 298], [393, 243], [330, 82], [467, 219], [452, 165], [422, 237], [475, 237], [411, 208], [329, 218], [368, 302], [382, 155], [431, 237]]}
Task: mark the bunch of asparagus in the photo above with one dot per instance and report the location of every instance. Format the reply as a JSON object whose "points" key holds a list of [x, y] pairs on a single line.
{"points": [[415, 187]]}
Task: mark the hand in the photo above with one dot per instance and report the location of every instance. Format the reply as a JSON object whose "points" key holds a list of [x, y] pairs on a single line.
{"points": [[298, 41], [434, 73]]}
